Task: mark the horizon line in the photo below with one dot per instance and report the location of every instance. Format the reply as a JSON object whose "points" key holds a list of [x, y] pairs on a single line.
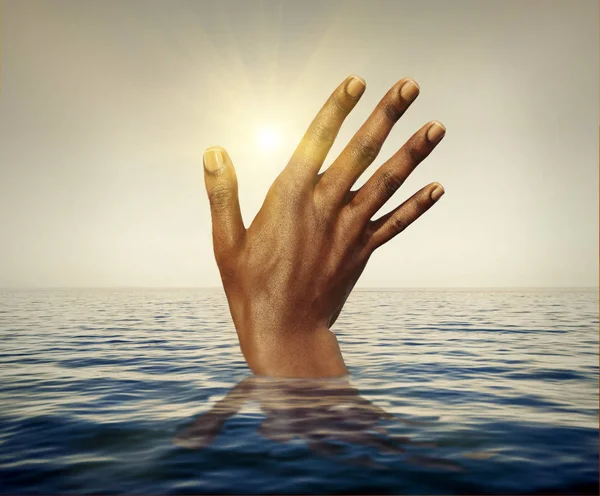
{"points": [[355, 289]]}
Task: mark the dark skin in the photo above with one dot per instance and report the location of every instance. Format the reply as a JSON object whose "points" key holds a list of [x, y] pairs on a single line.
{"points": [[289, 274]]}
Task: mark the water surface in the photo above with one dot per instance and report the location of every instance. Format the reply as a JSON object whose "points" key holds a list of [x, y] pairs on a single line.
{"points": [[450, 392]]}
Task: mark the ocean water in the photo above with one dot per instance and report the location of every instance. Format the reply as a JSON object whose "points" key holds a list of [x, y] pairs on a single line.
{"points": [[450, 392]]}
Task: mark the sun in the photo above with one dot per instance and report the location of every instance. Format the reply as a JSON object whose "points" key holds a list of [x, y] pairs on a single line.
{"points": [[268, 138]]}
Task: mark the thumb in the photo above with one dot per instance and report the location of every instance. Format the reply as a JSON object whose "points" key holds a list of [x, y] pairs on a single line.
{"points": [[222, 188]]}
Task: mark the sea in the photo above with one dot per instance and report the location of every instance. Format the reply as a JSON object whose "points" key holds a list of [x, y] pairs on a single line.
{"points": [[450, 391]]}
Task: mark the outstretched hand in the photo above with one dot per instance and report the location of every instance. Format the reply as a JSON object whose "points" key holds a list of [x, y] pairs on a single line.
{"points": [[289, 274]]}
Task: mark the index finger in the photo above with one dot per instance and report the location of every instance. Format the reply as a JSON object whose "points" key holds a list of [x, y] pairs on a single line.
{"points": [[310, 154]]}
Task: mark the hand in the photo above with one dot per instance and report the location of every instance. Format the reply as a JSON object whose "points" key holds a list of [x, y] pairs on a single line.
{"points": [[289, 274]]}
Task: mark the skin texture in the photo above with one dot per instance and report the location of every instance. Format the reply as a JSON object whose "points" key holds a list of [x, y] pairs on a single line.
{"points": [[289, 274]]}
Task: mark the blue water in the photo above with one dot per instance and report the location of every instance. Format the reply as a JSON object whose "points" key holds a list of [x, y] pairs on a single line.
{"points": [[450, 392]]}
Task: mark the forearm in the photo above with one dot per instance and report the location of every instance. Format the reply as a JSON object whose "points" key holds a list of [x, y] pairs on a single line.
{"points": [[294, 354]]}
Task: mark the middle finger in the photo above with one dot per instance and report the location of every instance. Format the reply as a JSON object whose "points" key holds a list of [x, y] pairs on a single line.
{"points": [[364, 147]]}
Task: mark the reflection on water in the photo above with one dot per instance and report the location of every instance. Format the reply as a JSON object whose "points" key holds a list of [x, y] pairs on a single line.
{"points": [[450, 392], [329, 415]]}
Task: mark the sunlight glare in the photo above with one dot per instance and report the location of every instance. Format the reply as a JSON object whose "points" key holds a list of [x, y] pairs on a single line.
{"points": [[269, 138]]}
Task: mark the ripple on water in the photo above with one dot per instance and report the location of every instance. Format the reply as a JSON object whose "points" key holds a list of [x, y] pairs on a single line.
{"points": [[451, 392]]}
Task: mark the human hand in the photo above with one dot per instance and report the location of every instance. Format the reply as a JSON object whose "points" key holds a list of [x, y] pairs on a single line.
{"points": [[289, 274]]}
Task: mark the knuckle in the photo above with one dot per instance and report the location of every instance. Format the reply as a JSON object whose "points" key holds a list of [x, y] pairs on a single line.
{"points": [[398, 224], [340, 103], [391, 182], [415, 151], [321, 133], [422, 203], [220, 196], [369, 231], [350, 203], [415, 207], [289, 184], [348, 222], [367, 147], [370, 239], [392, 111], [366, 238]]}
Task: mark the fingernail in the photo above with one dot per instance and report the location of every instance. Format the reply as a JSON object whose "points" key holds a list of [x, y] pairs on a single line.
{"points": [[213, 159], [409, 90], [436, 132], [436, 193], [355, 86]]}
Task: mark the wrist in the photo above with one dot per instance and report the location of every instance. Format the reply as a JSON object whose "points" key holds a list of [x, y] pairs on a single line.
{"points": [[294, 353]]}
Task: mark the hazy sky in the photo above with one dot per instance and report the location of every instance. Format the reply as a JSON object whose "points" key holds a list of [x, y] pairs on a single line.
{"points": [[107, 106]]}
